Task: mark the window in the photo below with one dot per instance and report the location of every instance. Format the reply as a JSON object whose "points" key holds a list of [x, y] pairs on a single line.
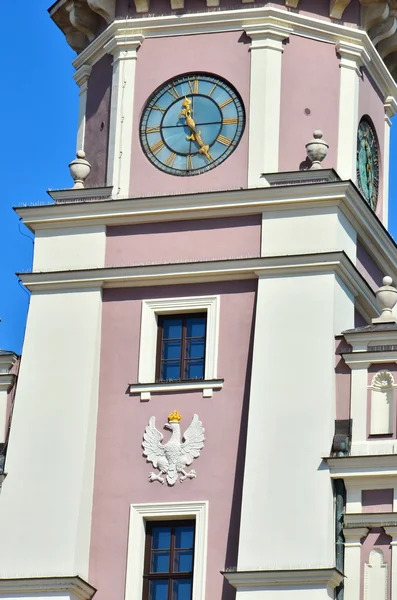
{"points": [[181, 347], [157, 375], [169, 556]]}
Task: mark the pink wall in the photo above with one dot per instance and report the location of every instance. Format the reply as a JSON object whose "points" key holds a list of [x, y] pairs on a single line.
{"points": [[203, 239], [376, 538], [97, 120], [375, 501], [310, 80], [121, 476], [368, 268], [371, 104], [159, 59]]}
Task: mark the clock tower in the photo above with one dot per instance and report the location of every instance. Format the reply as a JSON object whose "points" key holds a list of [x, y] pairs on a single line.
{"points": [[214, 303]]}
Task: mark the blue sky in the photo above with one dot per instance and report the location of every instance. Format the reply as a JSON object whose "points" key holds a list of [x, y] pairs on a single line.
{"points": [[39, 107]]}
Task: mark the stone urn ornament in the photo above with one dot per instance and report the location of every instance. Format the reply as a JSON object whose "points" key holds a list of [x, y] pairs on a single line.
{"points": [[317, 150], [386, 298], [79, 169]]}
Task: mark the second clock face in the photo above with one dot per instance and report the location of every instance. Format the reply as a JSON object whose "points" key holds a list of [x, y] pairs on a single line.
{"points": [[191, 124], [368, 162]]}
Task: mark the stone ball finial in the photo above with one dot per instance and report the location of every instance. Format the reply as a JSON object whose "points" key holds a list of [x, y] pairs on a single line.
{"points": [[386, 298], [79, 169], [317, 150]]}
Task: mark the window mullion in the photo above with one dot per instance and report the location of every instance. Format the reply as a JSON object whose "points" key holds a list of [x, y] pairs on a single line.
{"points": [[182, 374], [171, 565]]}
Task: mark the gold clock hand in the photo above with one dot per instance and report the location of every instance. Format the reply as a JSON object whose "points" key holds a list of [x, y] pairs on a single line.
{"points": [[195, 135]]}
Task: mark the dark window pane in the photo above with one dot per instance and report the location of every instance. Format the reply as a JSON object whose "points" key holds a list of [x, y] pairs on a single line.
{"points": [[172, 328], [184, 535], [182, 589], [161, 538], [172, 350], [195, 348], [170, 370], [183, 561], [195, 370], [195, 326], [158, 589], [160, 561]]}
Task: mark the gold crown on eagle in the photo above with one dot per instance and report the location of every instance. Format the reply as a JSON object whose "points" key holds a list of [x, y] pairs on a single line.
{"points": [[174, 417]]}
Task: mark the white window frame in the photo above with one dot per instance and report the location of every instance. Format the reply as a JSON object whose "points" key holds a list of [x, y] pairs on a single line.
{"points": [[151, 309], [167, 511]]}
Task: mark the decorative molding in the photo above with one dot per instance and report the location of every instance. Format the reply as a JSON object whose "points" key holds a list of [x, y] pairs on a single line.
{"points": [[82, 75], [79, 195], [291, 577], [235, 269], [370, 520], [172, 458], [206, 386], [383, 30], [382, 380], [105, 8], [47, 585], [353, 536], [292, 3], [6, 382], [373, 13], [139, 513], [337, 8], [361, 360], [148, 340], [230, 20]]}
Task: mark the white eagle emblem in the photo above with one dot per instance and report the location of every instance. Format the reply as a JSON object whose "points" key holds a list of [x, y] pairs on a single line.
{"points": [[174, 456]]}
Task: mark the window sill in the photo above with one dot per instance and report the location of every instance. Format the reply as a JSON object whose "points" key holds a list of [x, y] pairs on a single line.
{"points": [[146, 389]]}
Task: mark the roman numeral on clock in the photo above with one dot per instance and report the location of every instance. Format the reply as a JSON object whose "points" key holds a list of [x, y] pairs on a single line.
{"points": [[154, 129], [194, 86], [170, 160], [224, 140], [157, 147], [232, 121], [226, 102], [189, 162], [174, 93]]}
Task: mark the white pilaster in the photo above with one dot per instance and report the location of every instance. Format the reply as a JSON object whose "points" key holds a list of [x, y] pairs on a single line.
{"points": [[392, 531], [124, 50], [81, 77], [353, 561], [46, 499], [265, 97], [390, 111], [359, 400], [288, 420], [351, 59]]}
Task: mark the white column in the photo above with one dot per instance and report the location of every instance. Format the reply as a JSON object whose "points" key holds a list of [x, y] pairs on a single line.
{"points": [[124, 50], [359, 400], [295, 321], [351, 59], [265, 97], [390, 111], [392, 531], [81, 77], [46, 498], [353, 561]]}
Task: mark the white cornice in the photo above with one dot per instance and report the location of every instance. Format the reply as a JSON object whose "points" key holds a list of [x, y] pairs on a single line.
{"points": [[7, 361], [222, 204], [363, 466], [361, 359], [47, 585], [204, 271], [6, 382], [285, 578], [229, 20], [353, 520], [361, 340]]}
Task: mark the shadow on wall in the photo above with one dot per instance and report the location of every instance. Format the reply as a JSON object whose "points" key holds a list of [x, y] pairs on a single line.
{"points": [[228, 592]]}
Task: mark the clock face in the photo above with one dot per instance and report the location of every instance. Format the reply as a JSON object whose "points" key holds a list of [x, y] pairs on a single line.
{"points": [[368, 162], [192, 124]]}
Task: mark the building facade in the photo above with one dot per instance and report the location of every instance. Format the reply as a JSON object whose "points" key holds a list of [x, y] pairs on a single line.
{"points": [[213, 304]]}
